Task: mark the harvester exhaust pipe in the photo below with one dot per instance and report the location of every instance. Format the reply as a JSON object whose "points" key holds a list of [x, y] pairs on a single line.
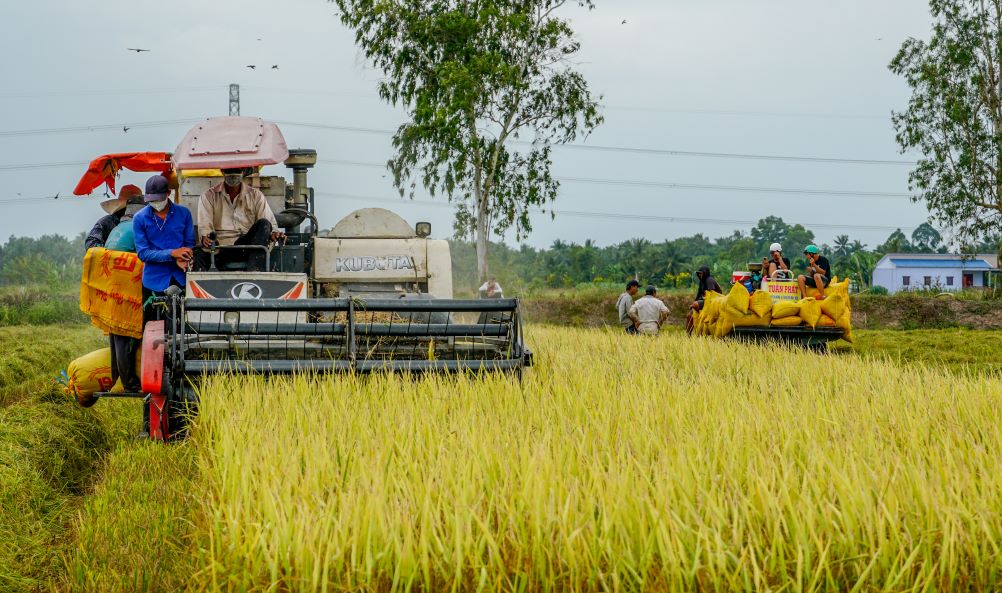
{"points": [[300, 160]]}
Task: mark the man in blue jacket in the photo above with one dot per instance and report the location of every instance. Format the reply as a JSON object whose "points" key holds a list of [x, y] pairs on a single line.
{"points": [[165, 235]]}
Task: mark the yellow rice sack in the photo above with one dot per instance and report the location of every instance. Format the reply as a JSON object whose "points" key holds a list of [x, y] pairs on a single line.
{"points": [[784, 309], [787, 322], [111, 291], [826, 321], [753, 320], [724, 326], [810, 311], [91, 373], [738, 298], [712, 305], [844, 323], [761, 303], [836, 299]]}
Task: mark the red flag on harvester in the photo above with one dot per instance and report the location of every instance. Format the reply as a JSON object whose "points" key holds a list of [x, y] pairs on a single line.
{"points": [[105, 168]]}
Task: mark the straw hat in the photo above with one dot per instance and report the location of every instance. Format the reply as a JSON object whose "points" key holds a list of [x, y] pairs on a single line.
{"points": [[115, 204]]}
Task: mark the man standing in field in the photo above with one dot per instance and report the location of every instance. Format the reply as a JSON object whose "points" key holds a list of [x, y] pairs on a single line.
{"points": [[649, 313], [623, 306], [707, 283]]}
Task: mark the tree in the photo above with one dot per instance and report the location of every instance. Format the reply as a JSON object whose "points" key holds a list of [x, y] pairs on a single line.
{"points": [[474, 76], [954, 116], [926, 239], [842, 246], [772, 229], [896, 243]]}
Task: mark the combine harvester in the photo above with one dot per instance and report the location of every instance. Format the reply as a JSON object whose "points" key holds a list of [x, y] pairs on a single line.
{"points": [[371, 295], [775, 312]]}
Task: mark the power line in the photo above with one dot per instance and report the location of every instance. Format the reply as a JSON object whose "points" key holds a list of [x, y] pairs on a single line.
{"points": [[737, 113], [738, 188], [690, 186], [112, 92], [98, 127], [579, 147], [569, 213], [372, 94], [42, 165], [620, 216], [731, 155]]}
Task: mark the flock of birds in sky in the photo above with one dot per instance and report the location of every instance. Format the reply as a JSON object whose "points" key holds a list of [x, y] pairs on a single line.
{"points": [[140, 50]]}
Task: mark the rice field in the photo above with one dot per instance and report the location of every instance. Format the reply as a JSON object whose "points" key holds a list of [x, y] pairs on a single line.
{"points": [[668, 464]]}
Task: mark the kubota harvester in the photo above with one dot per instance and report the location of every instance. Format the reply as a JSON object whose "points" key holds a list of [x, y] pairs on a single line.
{"points": [[372, 294]]}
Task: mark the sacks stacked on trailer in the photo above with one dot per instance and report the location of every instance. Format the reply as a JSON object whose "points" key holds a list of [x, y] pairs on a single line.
{"points": [[721, 314]]}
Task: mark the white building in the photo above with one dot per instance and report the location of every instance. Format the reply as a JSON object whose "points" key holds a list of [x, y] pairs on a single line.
{"points": [[934, 271]]}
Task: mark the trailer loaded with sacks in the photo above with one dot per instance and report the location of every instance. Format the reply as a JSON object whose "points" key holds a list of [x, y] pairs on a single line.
{"points": [[775, 311]]}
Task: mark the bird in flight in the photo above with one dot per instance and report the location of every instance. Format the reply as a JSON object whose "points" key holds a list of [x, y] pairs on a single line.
{"points": [[274, 67], [136, 49], [125, 128], [623, 23], [251, 66], [56, 196]]}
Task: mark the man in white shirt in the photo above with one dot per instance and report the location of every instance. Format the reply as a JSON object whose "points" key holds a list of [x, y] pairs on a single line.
{"points": [[491, 289], [623, 306], [649, 313], [234, 213]]}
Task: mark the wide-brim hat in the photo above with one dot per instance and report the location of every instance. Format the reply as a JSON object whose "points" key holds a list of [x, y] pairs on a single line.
{"points": [[113, 205]]}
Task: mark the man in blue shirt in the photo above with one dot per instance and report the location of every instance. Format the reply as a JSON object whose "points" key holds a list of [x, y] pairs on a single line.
{"points": [[165, 235]]}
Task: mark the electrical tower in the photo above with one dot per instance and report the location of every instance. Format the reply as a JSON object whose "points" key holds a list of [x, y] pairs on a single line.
{"points": [[234, 99]]}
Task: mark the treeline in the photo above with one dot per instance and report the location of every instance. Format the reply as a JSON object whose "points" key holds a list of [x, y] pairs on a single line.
{"points": [[668, 264], [49, 259], [671, 263]]}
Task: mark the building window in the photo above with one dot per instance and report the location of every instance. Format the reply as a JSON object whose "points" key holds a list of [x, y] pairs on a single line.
{"points": [[906, 280], [928, 280], [949, 280]]}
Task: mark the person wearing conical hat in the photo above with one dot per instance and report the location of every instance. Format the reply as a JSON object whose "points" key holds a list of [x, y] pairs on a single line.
{"points": [[115, 209]]}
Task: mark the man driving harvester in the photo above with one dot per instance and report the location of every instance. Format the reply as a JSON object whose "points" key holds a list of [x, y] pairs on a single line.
{"points": [[234, 213]]}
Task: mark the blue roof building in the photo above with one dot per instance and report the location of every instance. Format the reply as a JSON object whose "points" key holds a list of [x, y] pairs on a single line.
{"points": [[934, 271]]}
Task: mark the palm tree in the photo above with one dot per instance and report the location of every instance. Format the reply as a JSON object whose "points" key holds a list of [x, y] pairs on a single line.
{"points": [[842, 245]]}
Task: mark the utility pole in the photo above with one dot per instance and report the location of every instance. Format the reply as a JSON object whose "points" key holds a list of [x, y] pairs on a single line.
{"points": [[234, 99]]}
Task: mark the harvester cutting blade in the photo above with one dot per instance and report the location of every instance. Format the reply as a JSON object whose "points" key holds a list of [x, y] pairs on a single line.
{"points": [[349, 335]]}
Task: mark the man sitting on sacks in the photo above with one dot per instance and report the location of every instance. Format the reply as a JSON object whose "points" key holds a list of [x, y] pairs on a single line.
{"points": [[819, 273], [775, 263], [234, 213]]}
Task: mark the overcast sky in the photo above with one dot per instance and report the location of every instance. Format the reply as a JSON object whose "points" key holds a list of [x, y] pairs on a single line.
{"points": [[803, 78]]}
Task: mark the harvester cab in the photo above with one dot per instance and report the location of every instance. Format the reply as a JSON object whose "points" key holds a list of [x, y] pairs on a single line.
{"points": [[372, 294]]}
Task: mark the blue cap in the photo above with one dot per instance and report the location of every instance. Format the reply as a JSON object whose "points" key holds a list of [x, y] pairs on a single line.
{"points": [[157, 189]]}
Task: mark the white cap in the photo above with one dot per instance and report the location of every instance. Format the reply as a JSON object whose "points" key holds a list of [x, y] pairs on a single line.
{"points": [[775, 247]]}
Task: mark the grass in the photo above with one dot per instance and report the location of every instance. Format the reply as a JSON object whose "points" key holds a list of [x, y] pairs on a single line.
{"points": [[132, 534], [49, 449], [621, 465], [31, 357], [629, 465], [962, 351], [40, 305]]}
